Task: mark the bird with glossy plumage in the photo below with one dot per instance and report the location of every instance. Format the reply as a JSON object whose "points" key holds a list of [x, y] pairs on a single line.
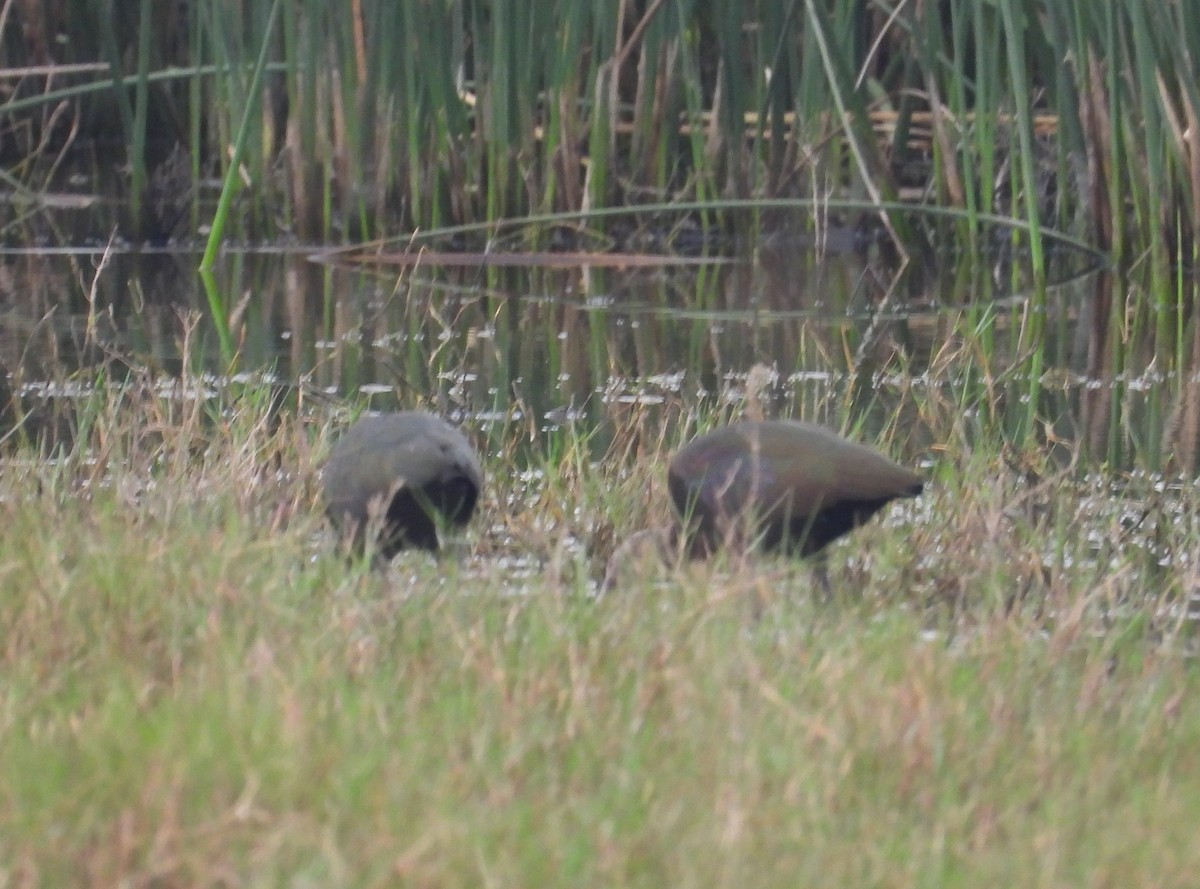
{"points": [[779, 484], [410, 473]]}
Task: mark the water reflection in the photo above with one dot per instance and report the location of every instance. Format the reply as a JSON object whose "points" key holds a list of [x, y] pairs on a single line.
{"points": [[849, 331]]}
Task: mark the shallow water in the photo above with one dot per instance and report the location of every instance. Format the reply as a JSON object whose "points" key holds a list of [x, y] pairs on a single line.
{"points": [[546, 330]]}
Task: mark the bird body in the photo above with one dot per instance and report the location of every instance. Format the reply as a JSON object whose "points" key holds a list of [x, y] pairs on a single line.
{"points": [[782, 483], [411, 469]]}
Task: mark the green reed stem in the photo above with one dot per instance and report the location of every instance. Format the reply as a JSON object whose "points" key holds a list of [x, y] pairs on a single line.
{"points": [[230, 184]]}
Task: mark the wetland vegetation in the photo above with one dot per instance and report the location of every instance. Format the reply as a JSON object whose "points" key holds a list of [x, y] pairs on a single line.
{"points": [[962, 232]]}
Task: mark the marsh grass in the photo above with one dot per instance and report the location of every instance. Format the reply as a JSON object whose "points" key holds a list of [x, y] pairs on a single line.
{"points": [[1073, 114], [345, 123], [198, 689]]}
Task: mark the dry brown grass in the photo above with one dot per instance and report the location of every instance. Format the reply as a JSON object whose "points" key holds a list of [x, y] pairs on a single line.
{"points": [[198, 690]]}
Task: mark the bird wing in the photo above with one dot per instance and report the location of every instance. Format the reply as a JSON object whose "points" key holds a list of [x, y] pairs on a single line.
{"points": [[720, 477], [815, 468], [378, 458], [431, 456], [792, 468]]}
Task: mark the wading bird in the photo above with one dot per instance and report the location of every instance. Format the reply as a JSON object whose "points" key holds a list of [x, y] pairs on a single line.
{"points": [[409, 472], [779, 484]]}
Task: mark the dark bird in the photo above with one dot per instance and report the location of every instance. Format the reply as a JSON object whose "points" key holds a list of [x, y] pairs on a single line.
{"points": [[781, 484], [411, 471]]}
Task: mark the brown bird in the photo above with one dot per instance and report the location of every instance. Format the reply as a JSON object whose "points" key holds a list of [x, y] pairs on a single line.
{"points": [[781, 484], [413, 471]]}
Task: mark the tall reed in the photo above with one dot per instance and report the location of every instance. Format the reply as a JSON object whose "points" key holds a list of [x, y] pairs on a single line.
{"points": [[377, 117], [419, 114]]}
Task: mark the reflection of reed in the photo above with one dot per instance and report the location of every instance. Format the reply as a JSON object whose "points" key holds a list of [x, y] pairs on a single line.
{"points": [[642, 349], [1098, 392], [593, 344], [1182, 439]]}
